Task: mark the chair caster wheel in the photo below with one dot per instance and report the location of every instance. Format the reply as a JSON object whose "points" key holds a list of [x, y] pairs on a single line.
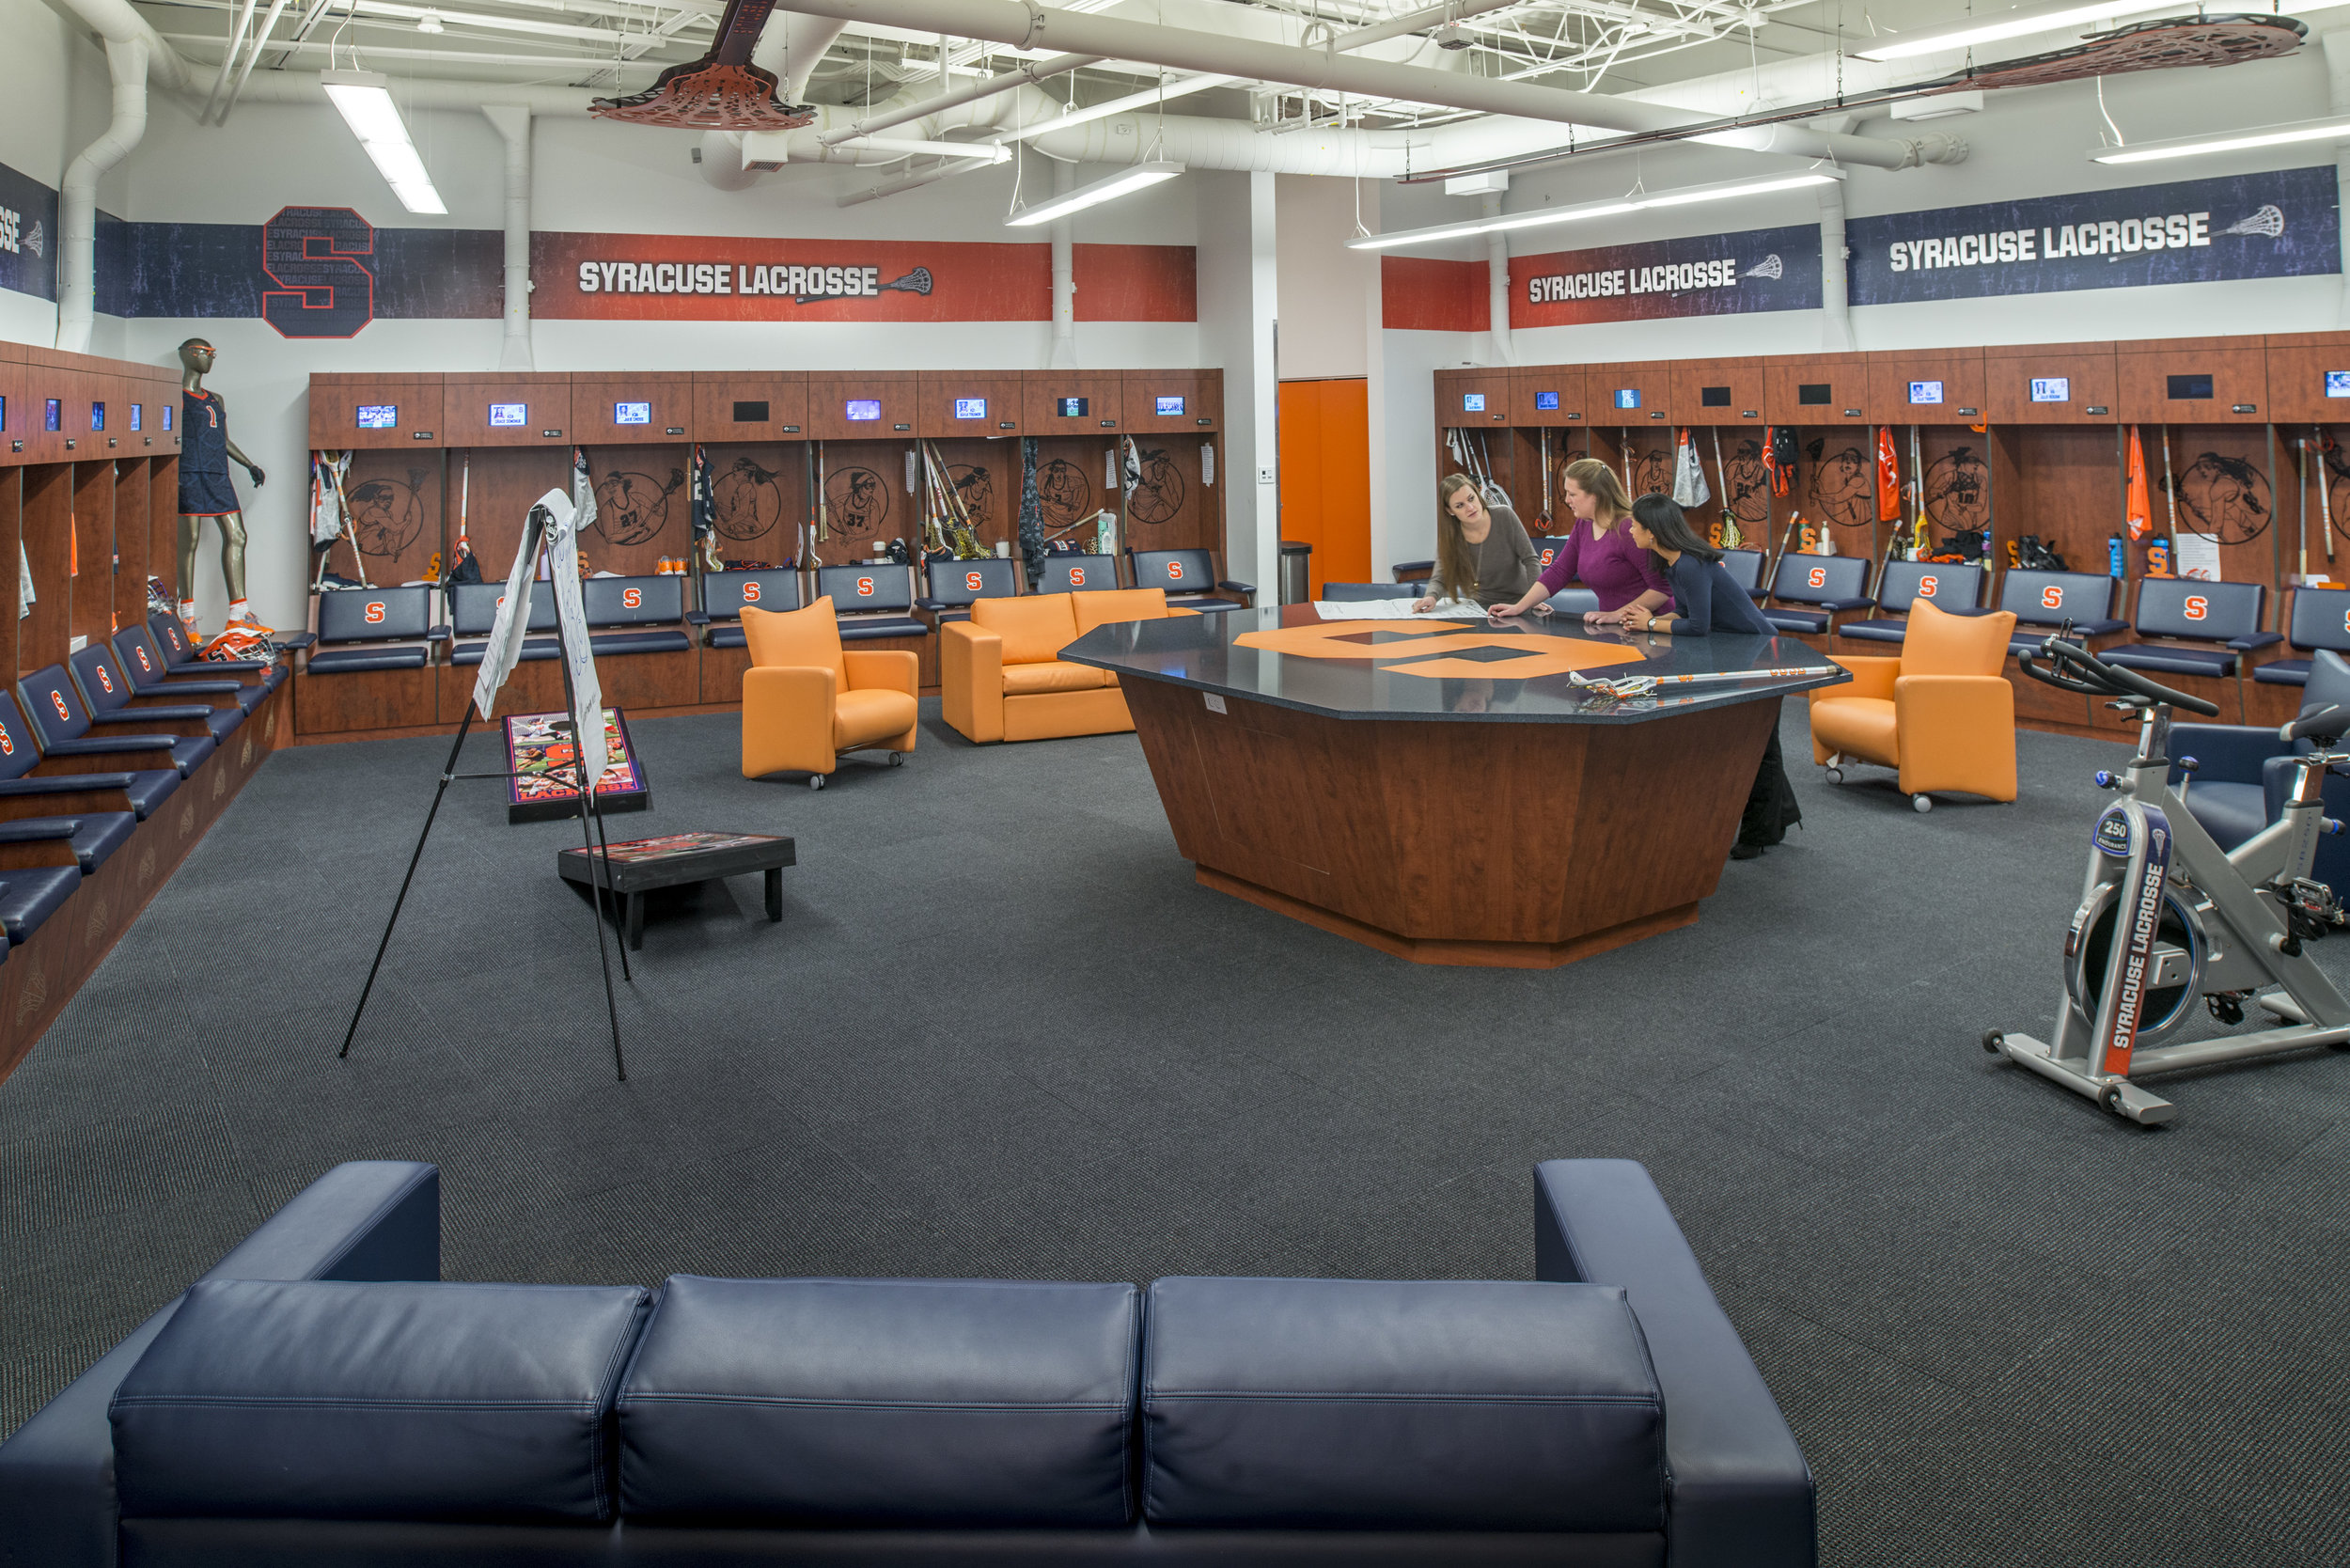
{"points": [[1923, 802], [815, 780], [1836, 775], [1992, 1039], [897, 758]]}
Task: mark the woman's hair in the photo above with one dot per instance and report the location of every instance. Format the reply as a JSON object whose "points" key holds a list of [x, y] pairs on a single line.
{"points": [[1661, 515], [1597, 480], [1456, 564]]}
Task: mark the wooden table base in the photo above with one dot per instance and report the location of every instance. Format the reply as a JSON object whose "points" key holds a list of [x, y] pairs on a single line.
{"points": [[1505, 844]]}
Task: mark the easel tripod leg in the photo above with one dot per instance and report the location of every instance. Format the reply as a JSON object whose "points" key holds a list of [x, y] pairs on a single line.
{"points": [[447, 772]]}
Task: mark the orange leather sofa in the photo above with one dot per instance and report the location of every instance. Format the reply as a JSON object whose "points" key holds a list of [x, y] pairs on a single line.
{"points": [[805, 699], [1001, 678], [1943, 714]]}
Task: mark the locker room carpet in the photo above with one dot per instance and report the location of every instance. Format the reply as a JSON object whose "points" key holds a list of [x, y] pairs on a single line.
{"points": [[1001, 1032]]}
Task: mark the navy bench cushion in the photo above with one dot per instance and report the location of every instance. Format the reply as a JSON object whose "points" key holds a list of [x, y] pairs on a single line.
{"points": [[856, 628], [94, 834], [883, 1401], [1874, 631], [730, 637], [323, 1400], [1797, 621], [345, 660], [533, 648], [639, 642], [31, 894], [1370, 1404], [2171, 660], [2283, 672], [1205, 604]]}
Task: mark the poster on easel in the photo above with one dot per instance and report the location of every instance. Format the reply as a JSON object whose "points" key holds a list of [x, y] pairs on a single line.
{"points": [[543, 757]]}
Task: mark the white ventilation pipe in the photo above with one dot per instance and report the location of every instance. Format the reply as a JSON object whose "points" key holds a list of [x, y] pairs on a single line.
{"points": [[1497, 286], [513, 125], [1032, 26], [1064, 353], [302, 88], [1835, 296], [792, 47], [77, 201]]}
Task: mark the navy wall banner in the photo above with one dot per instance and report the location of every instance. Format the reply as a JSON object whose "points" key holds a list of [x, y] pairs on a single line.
{"points": [[2282, 224], [28, 235], [1709, 274]]}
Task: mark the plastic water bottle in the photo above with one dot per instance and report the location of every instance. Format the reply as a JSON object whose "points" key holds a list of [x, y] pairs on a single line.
{"points": [[2116, 560]]}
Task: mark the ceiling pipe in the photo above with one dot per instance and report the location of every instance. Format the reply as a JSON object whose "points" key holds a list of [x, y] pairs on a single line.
{"points": [[269, 26], [1029, 26], [114, 22], [1026, 75], [514, 125], [77, 201], [1063, 354], [791, 46]]}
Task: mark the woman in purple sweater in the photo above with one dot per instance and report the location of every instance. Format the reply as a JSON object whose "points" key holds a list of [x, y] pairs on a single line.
{"points": [[1599, 550]]}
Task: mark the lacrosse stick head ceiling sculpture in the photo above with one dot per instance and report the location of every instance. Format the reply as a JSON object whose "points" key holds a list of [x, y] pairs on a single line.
{"points": [[721, 91]]}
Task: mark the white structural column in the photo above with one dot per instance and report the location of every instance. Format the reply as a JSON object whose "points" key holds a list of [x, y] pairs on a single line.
{"points": [[1064, 231], [1497, 286], [1835, 290], [2338, 99], [77, 203], [513, 125], [1239, 283]]}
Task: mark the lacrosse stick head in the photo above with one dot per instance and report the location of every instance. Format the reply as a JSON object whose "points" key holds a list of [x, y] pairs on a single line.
{"points": [[1770, 266], [709, 95], [1620, 687], [2269, 220], [914, 282]]}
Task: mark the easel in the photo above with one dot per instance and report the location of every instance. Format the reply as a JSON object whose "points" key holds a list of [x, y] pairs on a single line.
{"points": [[534, 541]]}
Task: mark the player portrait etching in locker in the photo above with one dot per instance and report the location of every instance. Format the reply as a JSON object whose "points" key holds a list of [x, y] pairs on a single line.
{"points": [[975, 487], [1158, 489], [1064, 492], [2227, 496], [634, 508], [1649, 469], [857, 499], [1748, 481], [745, 501], [1842, 480], [387, 516], [2337, 481], [1958, 490]]}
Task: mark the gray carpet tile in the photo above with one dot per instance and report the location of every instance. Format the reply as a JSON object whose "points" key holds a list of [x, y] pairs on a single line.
{"points": [[1000, 1032]]}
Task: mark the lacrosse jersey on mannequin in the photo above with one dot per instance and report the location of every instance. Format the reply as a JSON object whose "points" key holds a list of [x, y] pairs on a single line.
{"points": [[204, 487]]}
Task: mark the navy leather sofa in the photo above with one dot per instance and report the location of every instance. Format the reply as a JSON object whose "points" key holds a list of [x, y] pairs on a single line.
{"points": [[319, 1397]]}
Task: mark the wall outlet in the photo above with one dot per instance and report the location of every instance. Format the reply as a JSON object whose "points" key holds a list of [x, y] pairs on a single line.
{"points": [[1264, 473]]}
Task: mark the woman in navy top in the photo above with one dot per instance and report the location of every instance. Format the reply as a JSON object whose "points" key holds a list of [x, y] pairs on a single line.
{"points": [[1706, 600]]}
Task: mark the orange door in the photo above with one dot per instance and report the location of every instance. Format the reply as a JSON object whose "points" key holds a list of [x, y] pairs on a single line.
{"points": [[1325, 475]]}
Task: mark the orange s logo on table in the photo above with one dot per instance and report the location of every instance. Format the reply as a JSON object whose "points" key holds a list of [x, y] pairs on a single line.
{"points": [[1421, 649]]}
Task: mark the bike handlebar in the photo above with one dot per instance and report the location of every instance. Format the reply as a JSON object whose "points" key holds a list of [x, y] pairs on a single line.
{"points": [[2097, 678], [2333, 722]]}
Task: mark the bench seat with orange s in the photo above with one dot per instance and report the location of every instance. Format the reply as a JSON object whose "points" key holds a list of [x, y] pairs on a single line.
{"points": [[1001, 677]]}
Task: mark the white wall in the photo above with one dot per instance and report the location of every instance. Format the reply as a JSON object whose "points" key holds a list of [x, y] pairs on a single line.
{"points": [[58, 102], [1239, 288], [1327, 291]]}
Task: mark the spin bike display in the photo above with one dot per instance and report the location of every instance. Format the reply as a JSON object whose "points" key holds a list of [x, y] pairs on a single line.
{"points": [[2167, 917]]}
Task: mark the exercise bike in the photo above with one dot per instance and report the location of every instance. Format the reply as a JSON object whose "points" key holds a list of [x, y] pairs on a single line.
{"points": [[2167, 917]]}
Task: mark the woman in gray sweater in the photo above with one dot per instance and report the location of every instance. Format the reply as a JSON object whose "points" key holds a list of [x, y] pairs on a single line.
{"points": [[1482, 553]]}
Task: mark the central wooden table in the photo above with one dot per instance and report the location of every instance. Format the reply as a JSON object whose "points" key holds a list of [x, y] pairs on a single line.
{"points": [[1441, 791]]}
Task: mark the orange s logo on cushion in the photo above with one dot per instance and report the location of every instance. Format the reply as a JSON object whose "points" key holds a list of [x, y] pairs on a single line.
{"points": [[1926, 587], [632, 599], [57, 700], [375, 613], [143, 664], [1818, 577], [1174, 571], [1076, 576], [2052, 598], [2197, 607], [7, 742], [973, 582], [865, 588], [750, 594], [106, 681]]}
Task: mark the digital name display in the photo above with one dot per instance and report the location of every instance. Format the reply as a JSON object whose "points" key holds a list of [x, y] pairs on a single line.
{"points": [[135, 416], [1547, 401], [508, 416], [1627, 396], [379, 416], [970, 408], [98, 417], [631, 414], [2052, 389], [1074, 408], [166, 416], [1170, 406], [2337, 383], [864, 408], [53, 414], [1472, 402], [1925, 391]]}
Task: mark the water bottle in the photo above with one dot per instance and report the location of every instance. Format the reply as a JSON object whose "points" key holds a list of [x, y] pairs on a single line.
{"points": [[2116, 560]]}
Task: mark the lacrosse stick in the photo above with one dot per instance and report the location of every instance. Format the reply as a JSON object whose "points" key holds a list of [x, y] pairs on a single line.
{"points": [[1641, 685]]}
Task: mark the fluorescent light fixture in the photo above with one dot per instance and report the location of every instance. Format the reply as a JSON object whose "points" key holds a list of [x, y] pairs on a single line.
{"points": [[1546, 216], [2010, 24], [366, 105], [2331, 128], [1122, 183]]}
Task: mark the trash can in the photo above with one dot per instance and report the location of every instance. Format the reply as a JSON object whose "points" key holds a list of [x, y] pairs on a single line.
{"points": [[1296, 573]]}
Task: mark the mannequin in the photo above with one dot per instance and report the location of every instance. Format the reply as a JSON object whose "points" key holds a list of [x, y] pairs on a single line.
{"points": [[205, 490]]}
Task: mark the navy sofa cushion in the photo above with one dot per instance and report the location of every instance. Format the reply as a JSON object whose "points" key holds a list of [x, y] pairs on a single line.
{"points": [[639, 642], [93, 835], [1372, 1404], [863, 628], [319, 1399], [30, 895], [731, 636], [345, 660], [883, 1401], [1874, 631], [2283, 672], [470, 653], [2173, 661]]}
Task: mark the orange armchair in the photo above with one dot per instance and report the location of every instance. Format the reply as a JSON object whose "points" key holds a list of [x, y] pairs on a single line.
{"points": [[805, 699], [1942, 715], [1001, 677]]}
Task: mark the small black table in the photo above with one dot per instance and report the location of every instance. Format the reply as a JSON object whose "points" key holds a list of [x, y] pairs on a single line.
{"points": [[640, 864]]}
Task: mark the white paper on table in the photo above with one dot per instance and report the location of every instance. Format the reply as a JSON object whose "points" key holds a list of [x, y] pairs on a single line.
{"points": [[2199, 557], [1395, 609]]}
